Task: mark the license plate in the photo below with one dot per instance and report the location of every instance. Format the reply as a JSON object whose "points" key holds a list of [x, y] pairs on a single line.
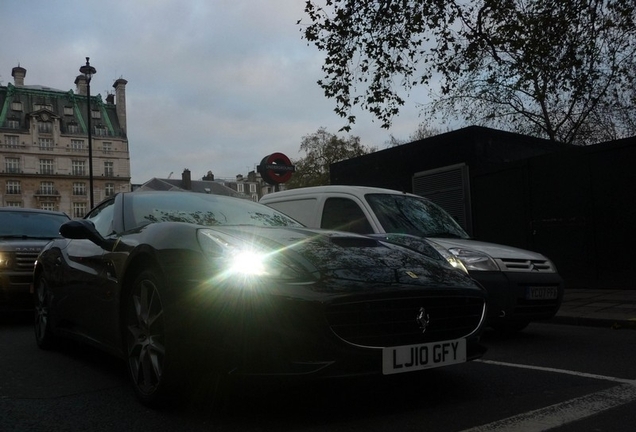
{"points": [[409, 358], [541, 293]]}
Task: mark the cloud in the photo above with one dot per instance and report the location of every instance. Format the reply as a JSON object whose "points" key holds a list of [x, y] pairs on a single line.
{"points": [[212, 85]]}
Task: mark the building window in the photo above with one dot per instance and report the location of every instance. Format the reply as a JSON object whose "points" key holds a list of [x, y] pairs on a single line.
{"points": [[14, 204], [77, 145], [38, 107], [79, 209], [100, 131], [12, 165], [48, 206], [78, 167], [95, 114], [73, 128], [46, 144], [46, 166], [252, 187], [13, 124], [107, 147], [46, 188], [13, 187], [240, 188], [16, 106], [12, 141], [45, 127], [109, 189], [108, 169], [68, 110], [79, 188]]}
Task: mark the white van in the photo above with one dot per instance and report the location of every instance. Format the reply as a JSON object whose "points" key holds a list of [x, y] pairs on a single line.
{"points": [[522, 286]]}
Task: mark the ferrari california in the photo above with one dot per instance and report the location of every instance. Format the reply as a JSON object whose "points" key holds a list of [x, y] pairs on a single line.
{"points": [[167, 280]]}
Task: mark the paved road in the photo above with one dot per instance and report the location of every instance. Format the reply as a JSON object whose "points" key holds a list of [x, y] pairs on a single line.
{"points": [[578, 377]]}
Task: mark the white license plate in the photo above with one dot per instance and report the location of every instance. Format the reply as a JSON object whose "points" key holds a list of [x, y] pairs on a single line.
{"points": [[541, 293], [409, 358]]}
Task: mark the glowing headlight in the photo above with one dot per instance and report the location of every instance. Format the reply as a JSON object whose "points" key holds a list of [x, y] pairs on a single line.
{"points": [[474, 260], [231, 256], [452, 259], [247, 262], [4, 260]]}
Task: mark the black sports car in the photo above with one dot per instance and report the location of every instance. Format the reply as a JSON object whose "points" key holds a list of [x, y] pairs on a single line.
{"points": [[166, 279]]}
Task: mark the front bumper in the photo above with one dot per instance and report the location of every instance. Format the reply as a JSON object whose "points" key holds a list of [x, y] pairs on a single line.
{"points": [[327, 336], [15, 290], [508, 295]]}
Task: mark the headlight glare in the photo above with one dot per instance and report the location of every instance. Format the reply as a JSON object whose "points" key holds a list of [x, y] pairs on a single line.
{"points": [[230, 256]]}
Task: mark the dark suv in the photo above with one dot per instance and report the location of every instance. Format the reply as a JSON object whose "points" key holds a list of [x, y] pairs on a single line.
{"points": [[23, 234]]}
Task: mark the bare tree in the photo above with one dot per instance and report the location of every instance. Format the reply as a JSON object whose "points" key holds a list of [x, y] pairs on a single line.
{"points": [[560, 69], [322, 149]]}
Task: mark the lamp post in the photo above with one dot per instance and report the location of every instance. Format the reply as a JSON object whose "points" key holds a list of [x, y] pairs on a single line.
{"points": [[88, 72]]}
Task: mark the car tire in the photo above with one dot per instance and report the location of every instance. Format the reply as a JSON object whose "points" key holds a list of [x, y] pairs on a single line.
{"points": [[148, 348], [42, 323]]}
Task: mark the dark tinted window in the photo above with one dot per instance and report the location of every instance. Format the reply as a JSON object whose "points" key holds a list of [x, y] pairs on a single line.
{"points": [[344, 214], [102, 217], [30, 224], [202, 209]]}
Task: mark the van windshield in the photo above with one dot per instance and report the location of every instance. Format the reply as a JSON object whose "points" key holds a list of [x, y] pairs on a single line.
{"points": [[404, 214]]}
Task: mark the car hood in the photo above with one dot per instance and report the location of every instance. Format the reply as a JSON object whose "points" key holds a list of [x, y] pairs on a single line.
{"points": [[352, 257], [494, 250], [22, 245]]}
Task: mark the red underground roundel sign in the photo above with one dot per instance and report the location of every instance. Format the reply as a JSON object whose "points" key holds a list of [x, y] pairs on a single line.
{"points": [[276, 168]]}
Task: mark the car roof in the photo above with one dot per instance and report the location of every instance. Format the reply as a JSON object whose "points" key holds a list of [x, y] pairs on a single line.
{"points": [[355, 190], [31, 210]]}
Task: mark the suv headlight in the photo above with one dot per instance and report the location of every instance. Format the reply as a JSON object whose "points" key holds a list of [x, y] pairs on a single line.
{"points": [[474, 260], [4, 260]]}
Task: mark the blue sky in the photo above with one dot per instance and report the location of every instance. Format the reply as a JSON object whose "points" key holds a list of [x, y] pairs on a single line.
{"points": [[213, 85]]}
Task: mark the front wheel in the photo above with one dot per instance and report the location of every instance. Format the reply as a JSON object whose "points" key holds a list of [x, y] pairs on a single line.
{"points": [[147, 348], [42, 324]]}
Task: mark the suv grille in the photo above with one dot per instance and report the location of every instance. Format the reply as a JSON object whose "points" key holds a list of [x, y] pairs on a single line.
{"points": [[519, 265], [24, 261], [392, 322]]}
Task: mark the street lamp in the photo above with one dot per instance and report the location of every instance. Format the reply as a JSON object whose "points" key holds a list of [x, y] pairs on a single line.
{"points": [[88, 72]]}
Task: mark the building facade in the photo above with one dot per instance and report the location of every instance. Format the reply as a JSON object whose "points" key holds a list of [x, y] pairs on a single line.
{"points": [[44, 145]]}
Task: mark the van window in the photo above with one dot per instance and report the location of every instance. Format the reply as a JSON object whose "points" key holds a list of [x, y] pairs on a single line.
{"points": [[302, 210], [344, 214]]}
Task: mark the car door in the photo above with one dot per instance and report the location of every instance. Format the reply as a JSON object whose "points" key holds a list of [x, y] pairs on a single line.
{"points": [[90, 281]]}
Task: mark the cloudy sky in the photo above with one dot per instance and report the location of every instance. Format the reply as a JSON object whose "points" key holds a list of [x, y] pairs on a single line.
{"points": [[213, 85]]}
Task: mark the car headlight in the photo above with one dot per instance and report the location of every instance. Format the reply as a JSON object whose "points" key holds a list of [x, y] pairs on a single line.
{"points": [[474, 260], [454, 261], [4, 260], [232, 257]]}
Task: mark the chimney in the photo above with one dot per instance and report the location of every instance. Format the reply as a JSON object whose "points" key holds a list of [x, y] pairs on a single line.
{"points": [[80, 82], [110, 99], [120, 102], [18, 73], [186, 179]]}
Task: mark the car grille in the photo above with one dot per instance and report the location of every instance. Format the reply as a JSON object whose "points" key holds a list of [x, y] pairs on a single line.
{"points": [[519, 265], [24, 261], [393, 322]]}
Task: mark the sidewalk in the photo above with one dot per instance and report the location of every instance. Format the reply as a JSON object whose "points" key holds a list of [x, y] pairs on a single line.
{"points": [[598, 308]]}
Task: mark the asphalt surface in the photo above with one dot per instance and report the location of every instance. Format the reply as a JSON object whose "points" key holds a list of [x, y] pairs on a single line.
{"points": [[598, 307]]}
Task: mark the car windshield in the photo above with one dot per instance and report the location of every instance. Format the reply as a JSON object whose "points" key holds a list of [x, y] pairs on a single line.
{"points": [[203, 209], [404, 214], [24, 224]]}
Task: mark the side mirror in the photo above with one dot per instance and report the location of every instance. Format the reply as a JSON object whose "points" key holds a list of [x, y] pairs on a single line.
{"points": [[84, 230]]}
